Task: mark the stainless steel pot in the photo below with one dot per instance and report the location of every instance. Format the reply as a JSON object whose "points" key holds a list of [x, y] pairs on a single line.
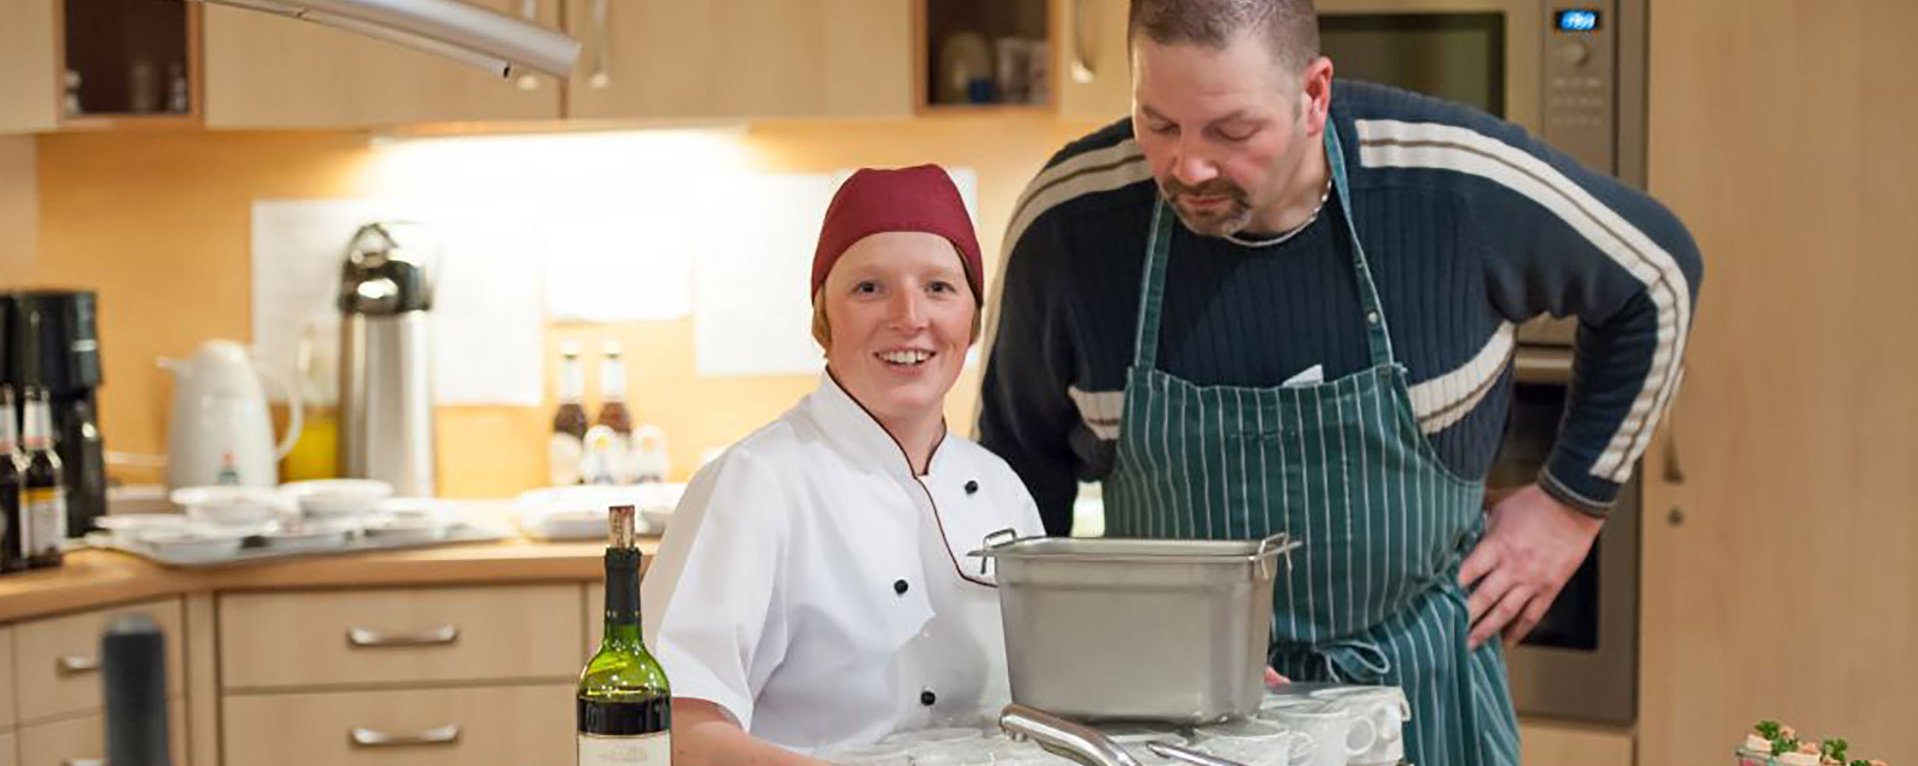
{"points": [[1156, 630]]}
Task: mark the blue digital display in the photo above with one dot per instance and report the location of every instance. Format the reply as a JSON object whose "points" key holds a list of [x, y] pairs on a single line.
{"points": [[1582, 20]]}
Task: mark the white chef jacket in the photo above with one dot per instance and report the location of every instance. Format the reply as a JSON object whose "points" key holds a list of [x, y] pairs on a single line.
{"points": [[810, 584]]}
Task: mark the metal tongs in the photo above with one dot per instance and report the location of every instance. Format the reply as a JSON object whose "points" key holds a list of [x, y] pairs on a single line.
{"points": [[1085, 744]]}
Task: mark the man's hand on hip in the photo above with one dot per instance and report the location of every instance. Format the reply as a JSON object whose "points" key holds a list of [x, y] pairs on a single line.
{"points": [[1532, 545]]}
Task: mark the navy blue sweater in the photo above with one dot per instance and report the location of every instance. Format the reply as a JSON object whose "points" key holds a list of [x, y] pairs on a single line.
{"points": [[1470, 225]]}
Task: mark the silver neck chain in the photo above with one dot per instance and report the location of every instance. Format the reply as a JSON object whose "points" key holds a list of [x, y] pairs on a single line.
{"points": [[1323, 196]]}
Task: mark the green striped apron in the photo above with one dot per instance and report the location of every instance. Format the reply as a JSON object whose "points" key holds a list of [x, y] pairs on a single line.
{"points": [[1372, 597]]}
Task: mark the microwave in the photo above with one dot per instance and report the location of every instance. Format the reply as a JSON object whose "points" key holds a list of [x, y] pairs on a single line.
{"points": [[1572, 73]]}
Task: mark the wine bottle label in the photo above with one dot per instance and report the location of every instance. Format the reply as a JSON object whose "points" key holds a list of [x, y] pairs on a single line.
{"points": [[46, 513], [563, 456], [654, 749]]}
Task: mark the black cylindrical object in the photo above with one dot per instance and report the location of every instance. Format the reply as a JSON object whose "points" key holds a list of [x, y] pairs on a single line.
{"points": [[133, 672]]}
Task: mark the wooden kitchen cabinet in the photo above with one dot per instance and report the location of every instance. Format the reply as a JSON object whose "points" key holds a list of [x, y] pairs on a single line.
{"points": [[7, 691], [9, 748], [595, 619], [399, 636], [1778, 571], [1094, 80], [1550, 743], [264, 71], [672, 59], [29, 71], [81, 741], [504, 725], [56, 659]]}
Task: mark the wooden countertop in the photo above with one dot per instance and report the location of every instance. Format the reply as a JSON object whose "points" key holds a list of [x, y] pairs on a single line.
{"points": [[92, 578]]}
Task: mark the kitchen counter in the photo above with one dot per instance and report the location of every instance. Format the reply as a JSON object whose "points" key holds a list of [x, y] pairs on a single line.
{"points": [[92, 578]]}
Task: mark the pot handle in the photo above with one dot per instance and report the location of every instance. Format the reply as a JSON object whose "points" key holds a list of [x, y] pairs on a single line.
{"points": [[1281, 542], [991, 541]]}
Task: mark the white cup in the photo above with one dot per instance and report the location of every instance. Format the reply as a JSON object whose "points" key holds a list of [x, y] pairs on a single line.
{"points": [[1386, 707], [1255, 743], [1336, 736]]}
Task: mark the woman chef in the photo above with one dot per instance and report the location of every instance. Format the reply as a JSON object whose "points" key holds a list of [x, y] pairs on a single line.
{"points": [[813, 591]]}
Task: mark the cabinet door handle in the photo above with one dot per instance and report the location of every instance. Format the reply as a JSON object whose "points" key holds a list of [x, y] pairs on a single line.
{"points": [[83, 762], [1085, 36], [74, 665], [602, 42], [366, 638], [444, 735]]}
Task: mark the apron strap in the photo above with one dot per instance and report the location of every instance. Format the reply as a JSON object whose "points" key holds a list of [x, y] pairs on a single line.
{"points": [[1158, 249], [1378, 335]]}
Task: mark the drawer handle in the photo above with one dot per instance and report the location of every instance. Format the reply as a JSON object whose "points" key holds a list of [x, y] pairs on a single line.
{"points": [[75, 665], [362, 638], [84, 762], [444, 735]]}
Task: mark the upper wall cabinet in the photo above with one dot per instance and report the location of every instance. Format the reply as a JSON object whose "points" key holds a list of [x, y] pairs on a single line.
{"points": [[28, 96], [984, 54], [91, 64], [1095, 78], [741, 58], [264, 71]]}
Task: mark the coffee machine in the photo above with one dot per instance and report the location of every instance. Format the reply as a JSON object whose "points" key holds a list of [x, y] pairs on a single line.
{"points": [[50, 338]]}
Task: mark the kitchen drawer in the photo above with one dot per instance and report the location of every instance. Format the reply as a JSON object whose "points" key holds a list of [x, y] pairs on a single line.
{"points": [[1551, 743], [343, 638], [508, 726], [55, 660], [82, 741], [6, 684]]}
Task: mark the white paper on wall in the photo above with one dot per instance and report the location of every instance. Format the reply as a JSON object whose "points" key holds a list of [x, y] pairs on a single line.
{"points": [[754, 263], [488, 323], [623, 256]]}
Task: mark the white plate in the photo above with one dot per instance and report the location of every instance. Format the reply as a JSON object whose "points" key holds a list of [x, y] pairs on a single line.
{"points": [[228, 504], [198, 545], [399, 530], [308, 539], [127, 528], [414, 509], [579, 513], [337, 497]]}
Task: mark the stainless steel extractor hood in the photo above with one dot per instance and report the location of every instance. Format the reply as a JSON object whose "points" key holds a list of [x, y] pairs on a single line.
{"points": [[467, 33]]}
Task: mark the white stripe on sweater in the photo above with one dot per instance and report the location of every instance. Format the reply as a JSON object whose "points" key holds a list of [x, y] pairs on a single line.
{"points": [[1393, 143], [1447, 399], [1099, 170]]}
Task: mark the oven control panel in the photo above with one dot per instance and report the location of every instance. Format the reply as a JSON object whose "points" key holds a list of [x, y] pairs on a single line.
{"points": [[1580, 84]]}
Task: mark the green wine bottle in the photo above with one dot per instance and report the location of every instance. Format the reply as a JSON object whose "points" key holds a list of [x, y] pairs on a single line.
{"points": [[624, 702]]}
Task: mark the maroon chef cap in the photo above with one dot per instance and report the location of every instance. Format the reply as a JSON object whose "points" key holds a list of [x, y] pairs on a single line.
{"points": [[918, 198]]}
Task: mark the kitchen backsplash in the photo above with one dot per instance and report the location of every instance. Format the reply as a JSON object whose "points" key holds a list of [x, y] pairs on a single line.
{"points": [[161, 226]]}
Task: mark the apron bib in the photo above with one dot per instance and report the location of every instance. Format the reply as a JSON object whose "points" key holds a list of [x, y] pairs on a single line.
{"points": [[1372, 597]]}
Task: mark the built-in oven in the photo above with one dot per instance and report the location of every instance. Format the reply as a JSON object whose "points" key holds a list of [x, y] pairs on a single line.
{"points": [[1572, 73], [1581, 661]]}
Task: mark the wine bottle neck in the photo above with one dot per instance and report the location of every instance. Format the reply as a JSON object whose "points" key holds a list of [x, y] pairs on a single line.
{"points": [[572, 381], [622, 596]]}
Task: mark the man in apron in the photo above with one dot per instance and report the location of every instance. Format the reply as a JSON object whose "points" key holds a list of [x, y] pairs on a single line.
{"points": [[1253, 308]]}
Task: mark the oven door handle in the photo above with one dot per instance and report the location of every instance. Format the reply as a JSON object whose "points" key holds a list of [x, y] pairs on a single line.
{"points": [[1674, 468], [1542, 365]]}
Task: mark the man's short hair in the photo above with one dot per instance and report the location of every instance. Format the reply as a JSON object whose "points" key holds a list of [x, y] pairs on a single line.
{"points": [[1290, 27]]}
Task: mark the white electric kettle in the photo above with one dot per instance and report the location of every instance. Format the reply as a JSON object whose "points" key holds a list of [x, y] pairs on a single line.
{"points": [[220, 431]]}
